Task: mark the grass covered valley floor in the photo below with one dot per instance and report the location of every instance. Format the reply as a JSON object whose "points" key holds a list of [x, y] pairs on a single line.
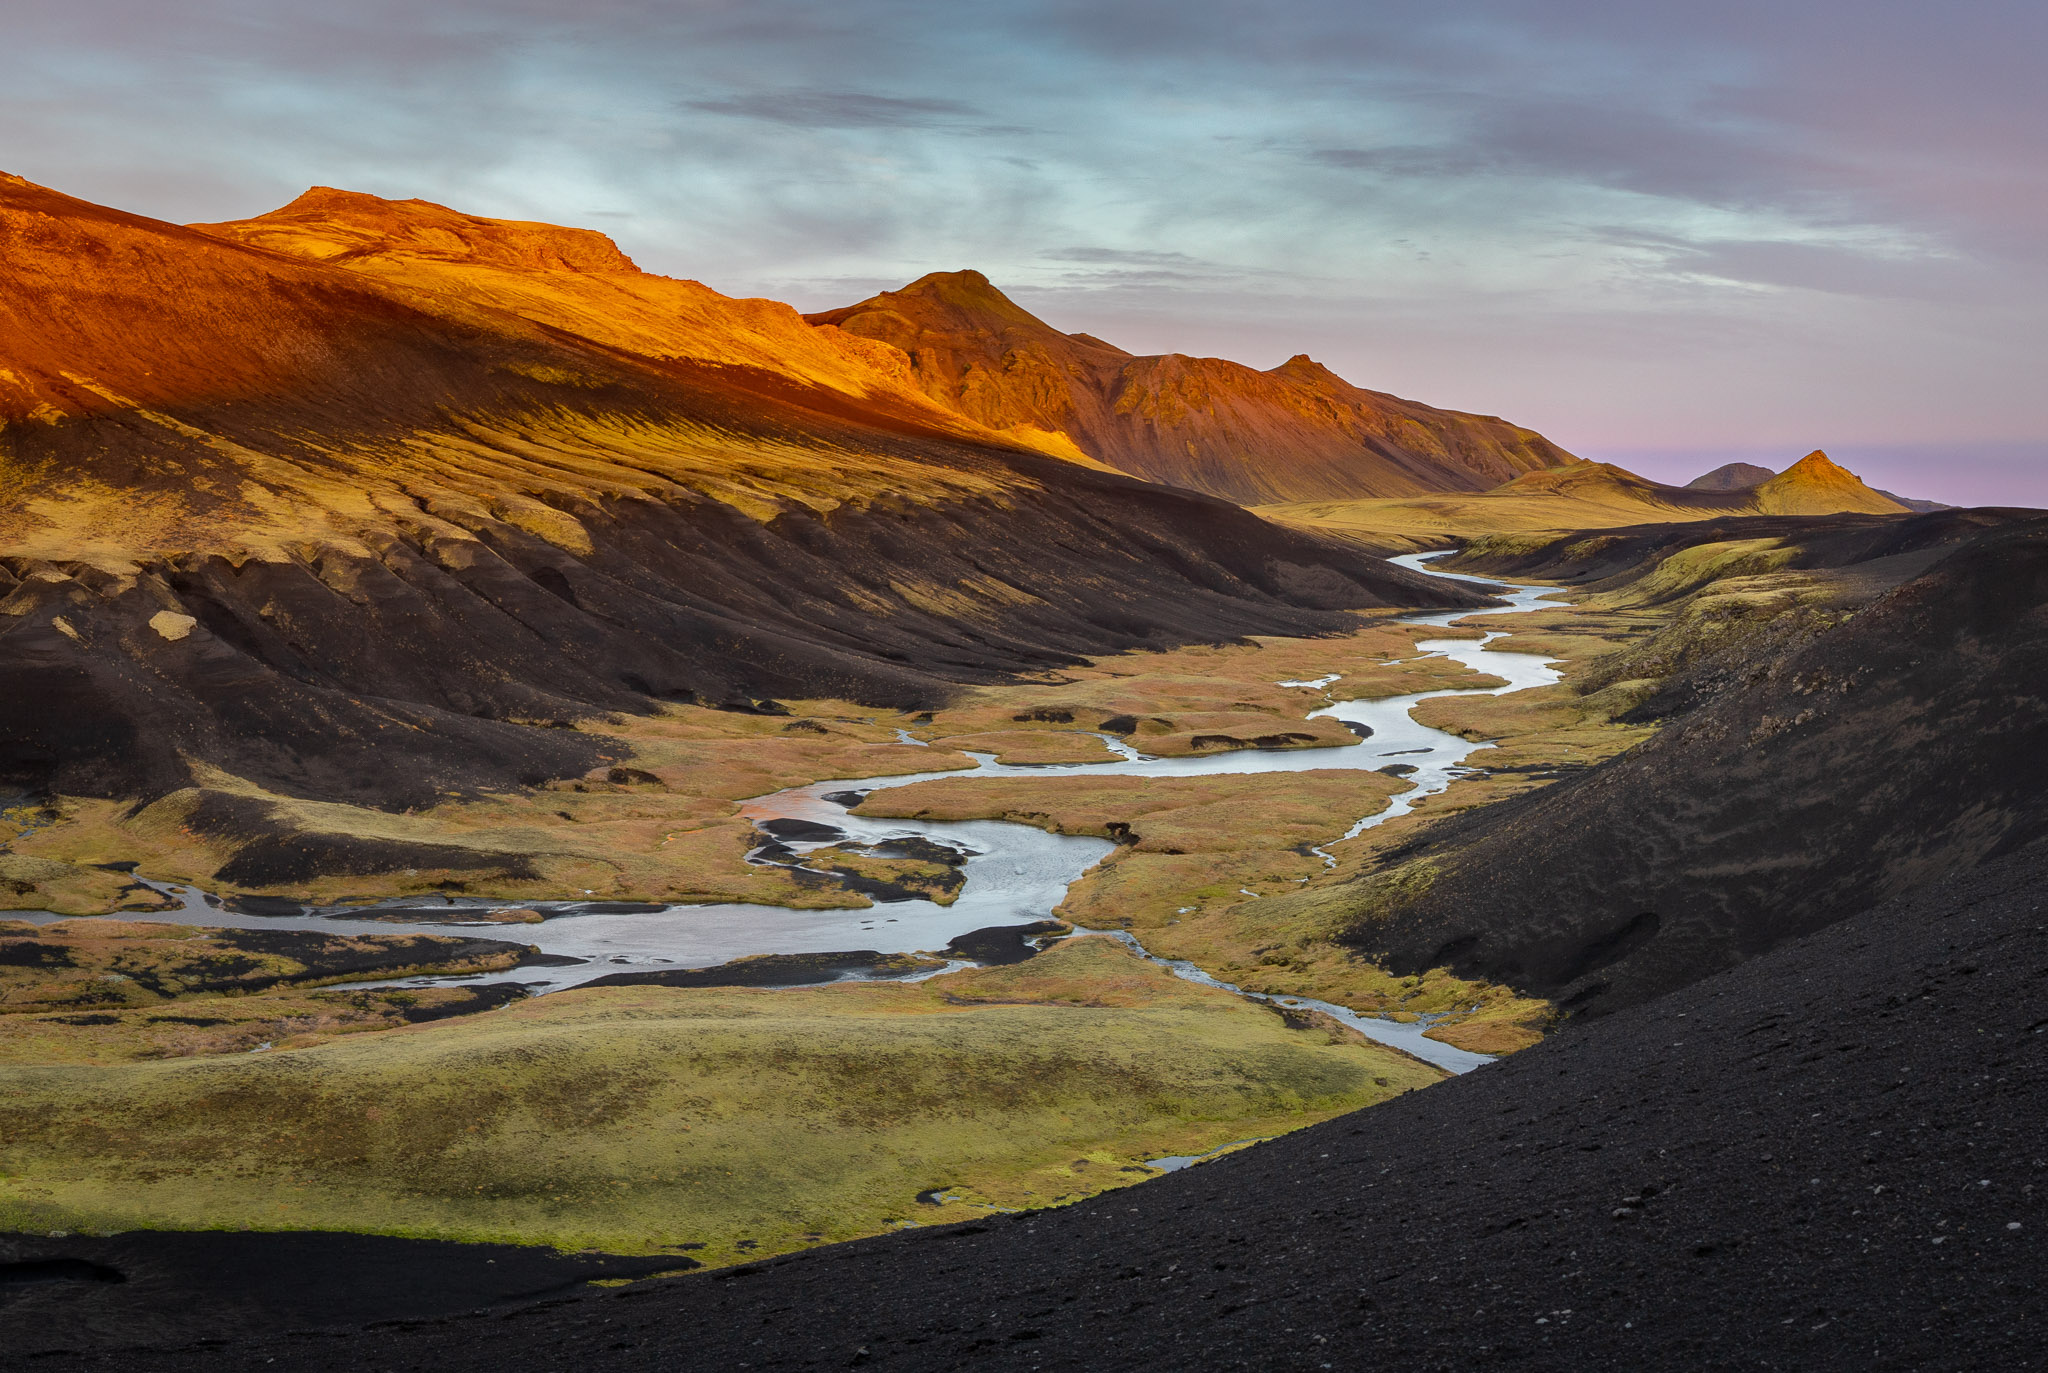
{"points": [[713, 1123]]}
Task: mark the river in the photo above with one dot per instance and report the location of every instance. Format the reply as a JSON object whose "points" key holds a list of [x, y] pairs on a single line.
{"points": [[1015, 875]]}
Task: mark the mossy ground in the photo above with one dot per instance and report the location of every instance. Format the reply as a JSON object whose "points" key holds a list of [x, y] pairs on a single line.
{"points": [[105, 964], [645, 1120], [192, 1027], [103, 991]]}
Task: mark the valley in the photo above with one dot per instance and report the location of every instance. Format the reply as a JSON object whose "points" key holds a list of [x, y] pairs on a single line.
{"points": [[1229, 780], [1214, 791], [506, 753]]}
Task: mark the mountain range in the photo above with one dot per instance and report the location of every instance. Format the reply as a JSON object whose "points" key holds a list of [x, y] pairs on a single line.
{"points": [[1295, 432], [279, 487], [1588, 495]]}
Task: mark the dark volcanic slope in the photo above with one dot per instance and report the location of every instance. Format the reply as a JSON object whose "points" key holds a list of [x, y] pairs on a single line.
{"points": [[1906, 742], [1828, 1158], [281, 493], [1297, 432]]}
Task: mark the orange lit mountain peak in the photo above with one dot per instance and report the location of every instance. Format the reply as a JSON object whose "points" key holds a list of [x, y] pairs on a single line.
{"points": [[1816, 484], [579, 281], [1296, 432], [336, 226]]}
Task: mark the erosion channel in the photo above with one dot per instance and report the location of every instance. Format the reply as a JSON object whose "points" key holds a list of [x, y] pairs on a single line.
{"points": [[1014, 874]]}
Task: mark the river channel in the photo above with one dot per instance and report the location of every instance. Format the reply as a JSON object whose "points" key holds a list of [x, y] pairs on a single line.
{"points": [[1015, 874]]}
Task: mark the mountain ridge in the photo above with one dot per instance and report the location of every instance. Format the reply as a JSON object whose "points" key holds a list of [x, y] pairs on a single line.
{"points": [[1586, 495], [1296, 431], [429, 496]]}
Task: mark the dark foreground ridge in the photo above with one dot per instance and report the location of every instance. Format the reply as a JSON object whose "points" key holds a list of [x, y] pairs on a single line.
{"points": [[1829, 1157], [155, 1287]]}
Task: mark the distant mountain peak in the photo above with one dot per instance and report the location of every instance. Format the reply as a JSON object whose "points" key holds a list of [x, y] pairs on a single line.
{"points": [[1732, 476], [1298, 431], [334, 225], [1818, 466], [1302, 367], [1817, 484]]}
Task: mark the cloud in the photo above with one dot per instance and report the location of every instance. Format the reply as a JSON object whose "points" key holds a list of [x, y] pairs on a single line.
{"points": [[1407, 161], [1882, 270], [840, 110], [1146, 257]]}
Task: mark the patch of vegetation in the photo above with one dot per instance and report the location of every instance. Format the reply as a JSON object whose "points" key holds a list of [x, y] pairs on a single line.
{"points": [[48, 884], [883, 878], [637, 1120], [193, 1026], [106, 965]]}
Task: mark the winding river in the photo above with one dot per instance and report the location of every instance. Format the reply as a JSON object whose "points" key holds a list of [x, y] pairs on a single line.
{"points": [[1015, 875]]}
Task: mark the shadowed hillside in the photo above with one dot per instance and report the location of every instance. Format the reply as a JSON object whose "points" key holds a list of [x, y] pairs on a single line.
{"points": [[1297, 432], [282, 492], [1817, 763]]}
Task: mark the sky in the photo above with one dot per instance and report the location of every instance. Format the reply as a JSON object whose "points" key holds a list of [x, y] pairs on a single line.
{"points": [[1668, 236]]}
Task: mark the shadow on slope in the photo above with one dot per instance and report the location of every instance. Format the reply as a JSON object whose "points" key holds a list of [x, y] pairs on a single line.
{"points": [[1809, 780]]}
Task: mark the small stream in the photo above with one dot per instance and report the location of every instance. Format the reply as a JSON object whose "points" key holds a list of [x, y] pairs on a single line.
{"points": [[1015, 874]]}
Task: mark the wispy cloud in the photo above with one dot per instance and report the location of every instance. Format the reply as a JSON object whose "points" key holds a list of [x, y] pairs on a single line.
{"points": [[1145, 256], [842, 110]]}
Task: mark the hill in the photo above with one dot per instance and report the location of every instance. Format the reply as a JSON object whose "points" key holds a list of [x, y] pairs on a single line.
{"points": [[1296, 432], [1742, 476], [1817, 486], [280, 491], [1815, 764], [1733, 476], [1585, 496]]}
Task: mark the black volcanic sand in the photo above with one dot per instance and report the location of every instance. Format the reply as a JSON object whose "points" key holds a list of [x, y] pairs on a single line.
{"points": [[1814, 1161], [1819, 779], [803, 831], [160, 1286]]}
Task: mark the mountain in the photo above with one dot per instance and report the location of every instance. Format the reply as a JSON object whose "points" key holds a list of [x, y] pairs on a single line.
{"points": [[280, 491], [1923, 507], [1732, 476], [1296, 432], [1815, 485], [1743, 476], [1586, 495]]}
